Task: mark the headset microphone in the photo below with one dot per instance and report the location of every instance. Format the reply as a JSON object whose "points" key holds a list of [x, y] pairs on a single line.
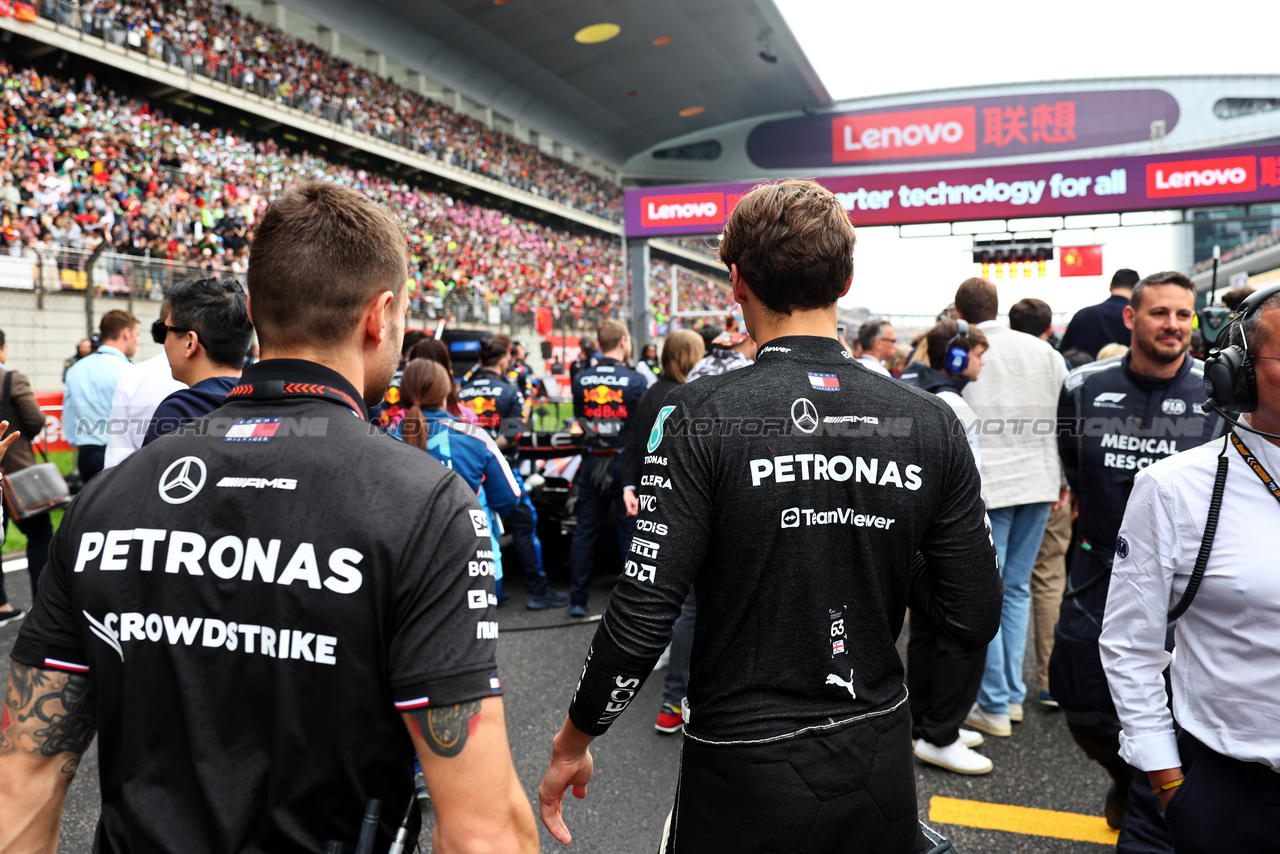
{"points": [[1229, 376], [1213, 407]]}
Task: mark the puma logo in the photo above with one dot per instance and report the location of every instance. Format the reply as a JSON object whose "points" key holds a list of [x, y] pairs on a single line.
{"points": [[833, 679]]}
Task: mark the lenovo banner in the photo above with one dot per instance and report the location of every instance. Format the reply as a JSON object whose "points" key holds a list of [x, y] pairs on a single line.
{"points": [[1235, 176], [1003, 126]]}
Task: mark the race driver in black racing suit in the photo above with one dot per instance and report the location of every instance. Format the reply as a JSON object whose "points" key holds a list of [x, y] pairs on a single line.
{"points": [[796, 494]]}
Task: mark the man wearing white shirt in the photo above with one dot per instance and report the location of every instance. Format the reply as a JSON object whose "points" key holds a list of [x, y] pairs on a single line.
{"points": [[1222, 763], [1017, 403], [139, 391], [876, 343]]}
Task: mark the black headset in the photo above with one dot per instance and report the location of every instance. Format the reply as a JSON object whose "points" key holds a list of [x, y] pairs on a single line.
{"points": [[957, 358], [1228, 372]]}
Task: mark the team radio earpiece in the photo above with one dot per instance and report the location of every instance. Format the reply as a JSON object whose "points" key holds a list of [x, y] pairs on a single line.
{"points": [[957, 358], [1228, 372]]}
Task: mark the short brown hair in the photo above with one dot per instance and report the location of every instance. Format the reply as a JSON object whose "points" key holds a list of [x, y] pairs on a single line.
{"points": [[320, 253], [680, 352], [610, 334], [1168, 277], [1030, 315], [793, 244], [977, 300], [945, 335], [115, 322]]}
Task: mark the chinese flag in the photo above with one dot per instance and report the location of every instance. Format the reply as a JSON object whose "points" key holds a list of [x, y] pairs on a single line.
{"points": [[543, 315], [1080, 261]]}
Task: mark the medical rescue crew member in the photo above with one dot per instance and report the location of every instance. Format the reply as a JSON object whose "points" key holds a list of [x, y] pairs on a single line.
{"points": [[791, 494], [605, 397], [1116, 417], [280, 591], [1217, 774]]}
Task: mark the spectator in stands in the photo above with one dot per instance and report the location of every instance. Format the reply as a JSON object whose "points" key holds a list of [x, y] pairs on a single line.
{"points": [[1096, 326], [1021, 481], [90, 387], [876, 345], [205, 335], [25, 420]]}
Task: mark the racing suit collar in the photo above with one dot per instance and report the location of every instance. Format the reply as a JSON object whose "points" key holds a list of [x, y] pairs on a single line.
{"points": [[302, 371], [608, 360], [804, 348], [1145, 382]]}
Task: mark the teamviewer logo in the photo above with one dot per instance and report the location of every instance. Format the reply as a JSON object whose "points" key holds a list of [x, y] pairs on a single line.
{"points": [[791, 517]]}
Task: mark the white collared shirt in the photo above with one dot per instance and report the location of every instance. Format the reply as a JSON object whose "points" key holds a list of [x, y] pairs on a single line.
{"points": [[1017, 402], [139, 391], [1226, 665], [874, 364]]}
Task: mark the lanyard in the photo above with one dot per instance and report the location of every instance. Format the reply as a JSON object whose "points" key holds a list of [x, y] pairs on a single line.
{"points": [[1263, 475], [276, 389]]}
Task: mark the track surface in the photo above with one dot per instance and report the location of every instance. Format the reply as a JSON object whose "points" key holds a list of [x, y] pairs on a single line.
{"points": [[635, 768]]}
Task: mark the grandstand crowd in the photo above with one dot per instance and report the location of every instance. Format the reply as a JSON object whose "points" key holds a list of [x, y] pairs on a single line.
{"points": [[81, 164], [216, 40]]}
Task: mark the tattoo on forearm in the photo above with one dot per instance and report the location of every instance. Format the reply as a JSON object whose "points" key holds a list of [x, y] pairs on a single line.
{"points": [[47, 713], [445, 730]]}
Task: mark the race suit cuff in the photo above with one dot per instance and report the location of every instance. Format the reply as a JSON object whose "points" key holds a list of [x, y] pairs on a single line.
{"points": [[1153, 751]]}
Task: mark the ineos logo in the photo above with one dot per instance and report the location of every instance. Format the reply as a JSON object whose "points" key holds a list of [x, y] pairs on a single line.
{"points": [[804, 415], [182, 480]]}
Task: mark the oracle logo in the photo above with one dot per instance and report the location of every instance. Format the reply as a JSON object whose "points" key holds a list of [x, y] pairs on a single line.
{"points": [[903, 135], [1202, 177], [687, 209]]}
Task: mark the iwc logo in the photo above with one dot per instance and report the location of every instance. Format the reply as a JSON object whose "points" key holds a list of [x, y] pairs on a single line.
{"points": [[182, 480]]}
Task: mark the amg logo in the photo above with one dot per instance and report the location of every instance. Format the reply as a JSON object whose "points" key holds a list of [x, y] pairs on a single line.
{"points": [[850, 419], [260, 482]]}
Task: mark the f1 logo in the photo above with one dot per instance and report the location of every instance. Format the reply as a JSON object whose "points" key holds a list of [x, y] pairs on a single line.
{"points": [[791, 517]]}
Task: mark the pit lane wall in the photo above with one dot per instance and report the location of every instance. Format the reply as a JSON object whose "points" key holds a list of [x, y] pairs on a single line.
{"points": [[1170, 181]]}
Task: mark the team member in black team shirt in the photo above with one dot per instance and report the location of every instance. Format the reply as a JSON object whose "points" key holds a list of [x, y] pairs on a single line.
{"points": [[796, 494], [262, 614]]}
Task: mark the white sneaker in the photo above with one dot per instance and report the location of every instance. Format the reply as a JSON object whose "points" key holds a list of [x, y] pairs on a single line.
{"points": [[954, 757], [969, 738], [1015, 713], [663, 659], [989, 722]]}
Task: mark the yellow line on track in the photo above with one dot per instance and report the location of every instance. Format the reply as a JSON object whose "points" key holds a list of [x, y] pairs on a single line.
{"points": [[1027, 820]]}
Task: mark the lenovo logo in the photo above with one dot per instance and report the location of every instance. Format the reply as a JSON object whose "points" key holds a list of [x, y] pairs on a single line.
{"points": [[687, 209], [1202, 177], [893, 136]]}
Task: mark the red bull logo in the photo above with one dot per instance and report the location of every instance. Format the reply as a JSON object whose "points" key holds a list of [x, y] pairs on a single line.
{"points": [[602, 394], [481, 405]]}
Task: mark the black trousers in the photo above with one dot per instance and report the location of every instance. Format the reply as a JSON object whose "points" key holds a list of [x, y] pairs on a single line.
{"points": [[91, 460], [943, 681], [39, 533], [1224, 804], [845, 790]]}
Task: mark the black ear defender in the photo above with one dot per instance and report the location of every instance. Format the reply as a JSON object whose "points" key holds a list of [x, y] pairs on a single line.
{"points": [[1228, 372], [957, 358]]}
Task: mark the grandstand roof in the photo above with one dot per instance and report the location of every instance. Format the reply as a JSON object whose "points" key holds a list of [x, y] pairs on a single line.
{"points": [[520, 58]]}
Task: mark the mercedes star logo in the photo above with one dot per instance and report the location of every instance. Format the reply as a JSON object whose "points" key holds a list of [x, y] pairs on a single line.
{"points": [[805, 415], [182, 480]]}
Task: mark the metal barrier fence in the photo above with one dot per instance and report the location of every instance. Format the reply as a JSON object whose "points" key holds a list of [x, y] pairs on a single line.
{"points": [[85, 20]]}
